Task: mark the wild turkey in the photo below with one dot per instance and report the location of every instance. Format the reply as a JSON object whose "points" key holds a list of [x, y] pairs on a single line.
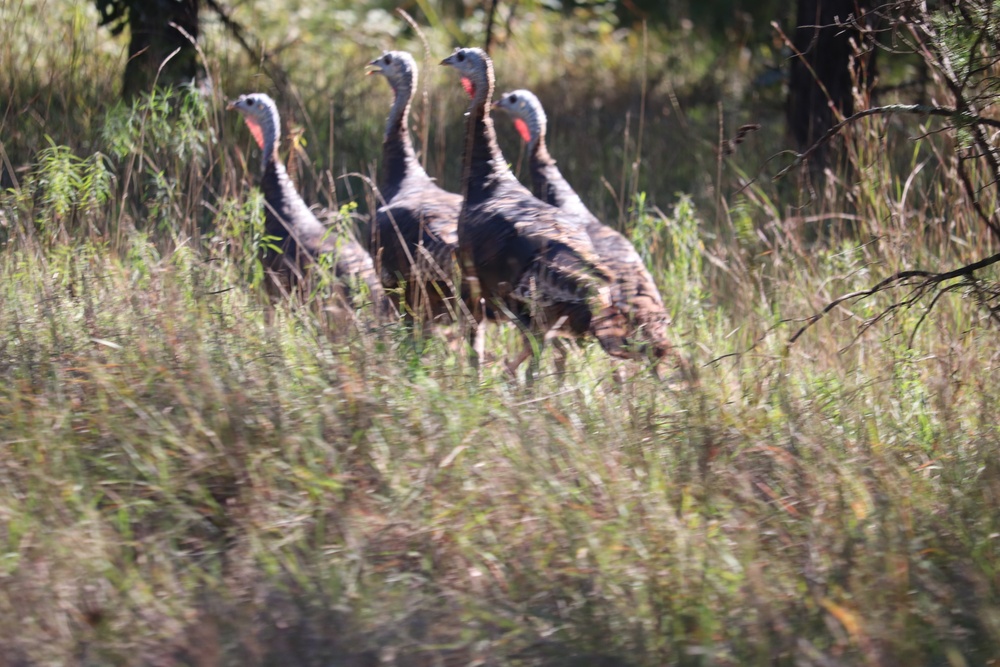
{"points": [[520, 253], [300, 236], [634, 292], [415, 231]]}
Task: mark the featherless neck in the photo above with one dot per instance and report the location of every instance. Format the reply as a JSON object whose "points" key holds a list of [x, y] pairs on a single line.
{"points": [[275, 171], [548, 184], [399, 115], [398, 157], [537, 126], [269, 156], [280, 196], [540, 153], [268, 125], [544, 172], [485, 163]]}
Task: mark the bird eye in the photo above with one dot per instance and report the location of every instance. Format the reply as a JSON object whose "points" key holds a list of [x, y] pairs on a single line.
{"points": [[250, 101], [512, 99], [460, 57], [388, 59]]}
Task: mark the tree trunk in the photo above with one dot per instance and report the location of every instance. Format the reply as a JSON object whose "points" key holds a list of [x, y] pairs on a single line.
{"points": [[153, 40], [831, 58]]}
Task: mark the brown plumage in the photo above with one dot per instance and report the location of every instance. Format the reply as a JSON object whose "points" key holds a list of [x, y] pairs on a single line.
{"points": [[634, 291], [300, 235], [520, 253], [416, 225]]}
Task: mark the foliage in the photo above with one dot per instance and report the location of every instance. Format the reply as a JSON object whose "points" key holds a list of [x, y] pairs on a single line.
{"points": [[241, 224], [161, 119]]}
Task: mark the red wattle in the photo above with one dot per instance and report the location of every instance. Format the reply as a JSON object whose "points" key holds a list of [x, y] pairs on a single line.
{"points": [[522, 129], [470, 88], [255, 130]]}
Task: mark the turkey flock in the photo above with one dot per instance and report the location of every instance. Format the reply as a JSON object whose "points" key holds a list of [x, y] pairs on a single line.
{"points": [[538, 258]]}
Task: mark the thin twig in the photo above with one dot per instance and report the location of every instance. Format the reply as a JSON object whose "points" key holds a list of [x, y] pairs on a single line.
{"points": [[489, 25], [965, 118], [970, 191], [930, 307], [274, 71], [930, 279]]}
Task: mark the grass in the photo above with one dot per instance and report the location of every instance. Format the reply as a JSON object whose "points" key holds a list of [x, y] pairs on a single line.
{"points": [[192, 475]]}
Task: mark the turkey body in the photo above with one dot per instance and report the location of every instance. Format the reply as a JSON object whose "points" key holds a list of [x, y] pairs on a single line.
{"points": [[528, 259], [519, 253], [299, 237], [416, 227], [633, 290]]}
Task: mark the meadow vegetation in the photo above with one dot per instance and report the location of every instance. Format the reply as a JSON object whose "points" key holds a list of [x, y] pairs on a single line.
{"points": [[190, 475]]}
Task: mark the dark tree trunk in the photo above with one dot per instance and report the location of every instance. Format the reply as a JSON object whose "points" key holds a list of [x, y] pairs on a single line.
{"points": [[824, 75], [153, 40]]}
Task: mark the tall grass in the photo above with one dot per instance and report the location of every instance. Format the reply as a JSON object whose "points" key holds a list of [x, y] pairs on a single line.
{"points": [[191, 474]]}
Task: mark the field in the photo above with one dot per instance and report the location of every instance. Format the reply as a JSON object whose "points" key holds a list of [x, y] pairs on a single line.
{"points": [[191, 475]]}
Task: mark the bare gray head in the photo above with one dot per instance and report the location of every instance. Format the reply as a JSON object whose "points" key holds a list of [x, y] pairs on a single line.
{"points": [[260, 114], [476, 69], [398, 67], [527, 113]]}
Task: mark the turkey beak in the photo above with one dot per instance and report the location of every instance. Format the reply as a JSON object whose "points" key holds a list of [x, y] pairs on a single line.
{"points": [[450, 60], [372, 68], [231, 106]]}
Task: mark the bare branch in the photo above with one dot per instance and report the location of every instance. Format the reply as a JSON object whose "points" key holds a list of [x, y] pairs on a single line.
{"points": [[970, 190], [963, 117], [929, 280], [489, 25], [274, 71], [930, 307]]}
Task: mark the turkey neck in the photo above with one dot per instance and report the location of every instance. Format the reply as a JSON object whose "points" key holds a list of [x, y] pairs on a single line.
{"points": [[276, 186], [544, 171], [399, 160], [484, 163], [547, 181], [281, 198], [286, 216], [268, 126]]}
